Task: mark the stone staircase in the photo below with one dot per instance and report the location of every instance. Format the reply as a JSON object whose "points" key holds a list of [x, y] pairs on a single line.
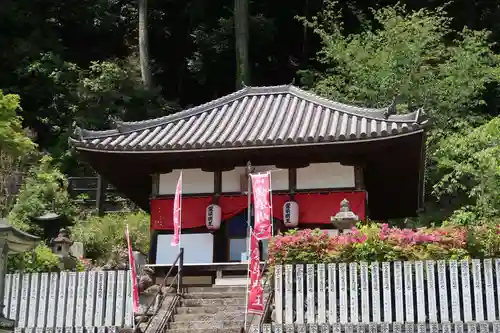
{"points": [[216, 309]]}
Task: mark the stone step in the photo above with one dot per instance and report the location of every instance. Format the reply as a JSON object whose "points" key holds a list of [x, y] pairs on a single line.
{"points": [[210, 309], [224, 289], [213, 295], [231, 281], [206, 324], [212, 301], [216, 288], [235, 281], [219, 316], [205, 330]]}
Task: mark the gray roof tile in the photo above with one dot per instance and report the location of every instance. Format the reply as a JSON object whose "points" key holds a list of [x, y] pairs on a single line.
{"points": [[253, 116]]}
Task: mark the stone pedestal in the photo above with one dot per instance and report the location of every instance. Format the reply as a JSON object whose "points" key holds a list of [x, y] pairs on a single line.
{"points": [[12, 241], [345, 219]]}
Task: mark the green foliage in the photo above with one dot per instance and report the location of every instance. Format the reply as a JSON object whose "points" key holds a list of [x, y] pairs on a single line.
{"points": [[405, 54], [44, 190], [114, 88], [373, 242], [103, 237], [41, 259], [470, 167], [88, 96], [13, 139], [417, 57]]}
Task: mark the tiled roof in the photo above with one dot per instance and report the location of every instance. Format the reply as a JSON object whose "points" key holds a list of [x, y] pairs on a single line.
{"points": [[250, 117]]}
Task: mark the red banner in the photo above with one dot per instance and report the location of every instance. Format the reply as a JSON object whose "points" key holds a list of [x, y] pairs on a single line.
{"points": [[261, 185], [133, 274], [256, 293], [177, 213]]}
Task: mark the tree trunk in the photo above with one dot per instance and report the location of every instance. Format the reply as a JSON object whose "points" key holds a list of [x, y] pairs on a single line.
{"points": [[143, 44], [242, 39]]}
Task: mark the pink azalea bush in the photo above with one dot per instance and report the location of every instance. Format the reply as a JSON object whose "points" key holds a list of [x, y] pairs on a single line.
{"points": [[379, 242]]}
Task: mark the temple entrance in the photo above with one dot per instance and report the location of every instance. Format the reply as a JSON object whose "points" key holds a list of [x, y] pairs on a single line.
{"points": [[236, 231], [237, 237]]}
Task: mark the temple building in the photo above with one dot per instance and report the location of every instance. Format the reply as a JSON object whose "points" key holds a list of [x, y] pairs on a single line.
{"points": [[322, 155]]}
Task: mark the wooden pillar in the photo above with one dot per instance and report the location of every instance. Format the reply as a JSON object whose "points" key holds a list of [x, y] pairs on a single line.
{"points": [[155, 185], [100, 198], [217, 186], [153, 245], [292, 181], [359, 181], [359, 177], [220, 240], [153, 234]]}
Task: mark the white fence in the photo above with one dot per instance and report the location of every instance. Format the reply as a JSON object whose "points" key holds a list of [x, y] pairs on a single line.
{"points": [[422, 295], [69, 300], [89, 329]]}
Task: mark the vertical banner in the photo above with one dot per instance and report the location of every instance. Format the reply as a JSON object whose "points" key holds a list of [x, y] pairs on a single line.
{"points": [[133, 274], [177, 213], [261, 185], [256, 294]]}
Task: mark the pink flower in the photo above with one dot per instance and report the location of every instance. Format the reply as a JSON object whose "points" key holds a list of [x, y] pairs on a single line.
{"points": [[360, 239]]}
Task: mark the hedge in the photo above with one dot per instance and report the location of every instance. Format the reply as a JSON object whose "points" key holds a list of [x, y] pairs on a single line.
{"points": [[379, 242]]}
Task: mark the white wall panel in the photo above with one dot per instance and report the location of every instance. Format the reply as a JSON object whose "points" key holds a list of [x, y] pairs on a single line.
{"points": [[198, 249], [193, 181], [325, 175], [231, 179]]}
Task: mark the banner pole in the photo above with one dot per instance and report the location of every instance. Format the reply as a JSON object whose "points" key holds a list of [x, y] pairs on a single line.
{"points": [[131, 275], [271, 205], [249, 234], [180, 233]]}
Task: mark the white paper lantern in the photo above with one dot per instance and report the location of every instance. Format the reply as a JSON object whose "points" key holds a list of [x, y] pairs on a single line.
{"points": [[213, 217], [291, 214]]}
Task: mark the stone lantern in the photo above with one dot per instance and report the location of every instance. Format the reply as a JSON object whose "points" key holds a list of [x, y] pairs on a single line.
{"points": [[61, 244], [345, 218], [61, 247], [12, 241]]}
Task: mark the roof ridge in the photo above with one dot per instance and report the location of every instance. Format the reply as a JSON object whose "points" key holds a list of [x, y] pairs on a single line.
{"points": [[192, 111], [123, 127], [354, 110], [252, 90], [320, 98]]}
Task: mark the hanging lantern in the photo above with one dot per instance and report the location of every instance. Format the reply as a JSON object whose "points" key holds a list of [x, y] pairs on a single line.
{"points": [[291, 214], [213, 217]]}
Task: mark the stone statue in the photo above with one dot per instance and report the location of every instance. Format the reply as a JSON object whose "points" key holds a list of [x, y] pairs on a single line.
{"points": [[146, 279]]}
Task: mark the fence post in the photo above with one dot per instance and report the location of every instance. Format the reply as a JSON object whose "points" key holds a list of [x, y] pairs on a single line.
{"points": [[180, 271]]}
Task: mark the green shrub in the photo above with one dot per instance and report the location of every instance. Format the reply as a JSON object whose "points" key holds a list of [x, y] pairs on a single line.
{"points": [[40, 260], [104, 236], [44, 190], [374, 242]]}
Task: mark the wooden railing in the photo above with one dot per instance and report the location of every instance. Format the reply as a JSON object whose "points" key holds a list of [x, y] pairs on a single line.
{"points": [[96, 192], [160, 297], [396, 296]]}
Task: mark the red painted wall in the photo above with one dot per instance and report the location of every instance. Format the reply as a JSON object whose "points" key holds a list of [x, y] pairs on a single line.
{"points": [[314, 208]]}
